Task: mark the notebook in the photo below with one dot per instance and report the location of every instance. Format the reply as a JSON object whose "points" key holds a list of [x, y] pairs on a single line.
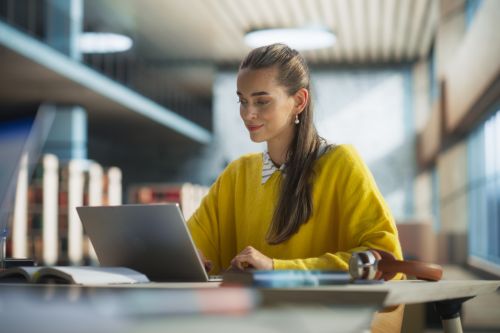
{"points": [[151, 239]]}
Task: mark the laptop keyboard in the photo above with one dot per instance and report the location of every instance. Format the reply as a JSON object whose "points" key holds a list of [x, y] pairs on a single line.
{"points": [[215, 278]]}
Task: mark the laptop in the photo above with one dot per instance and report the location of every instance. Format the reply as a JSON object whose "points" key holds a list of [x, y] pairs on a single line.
{"points": [[152, 239]]}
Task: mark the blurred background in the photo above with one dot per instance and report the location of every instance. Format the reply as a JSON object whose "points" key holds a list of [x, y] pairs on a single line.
{"points": [[127, 101]]}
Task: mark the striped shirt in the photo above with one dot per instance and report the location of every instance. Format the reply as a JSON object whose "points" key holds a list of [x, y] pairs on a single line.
{"points": [[268, 167]]}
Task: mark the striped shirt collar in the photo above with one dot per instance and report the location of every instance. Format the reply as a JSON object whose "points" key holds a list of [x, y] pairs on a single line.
{"points": [[268, 167]]}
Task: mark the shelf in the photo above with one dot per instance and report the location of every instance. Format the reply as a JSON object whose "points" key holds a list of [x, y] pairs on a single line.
{"points": [[34, 72]]}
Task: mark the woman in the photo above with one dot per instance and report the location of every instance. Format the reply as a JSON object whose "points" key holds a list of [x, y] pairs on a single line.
{"points": [[303, 204]]}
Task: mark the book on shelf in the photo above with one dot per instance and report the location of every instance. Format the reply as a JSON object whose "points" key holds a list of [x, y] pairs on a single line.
{"points": [[83, 275], [285, 278]]}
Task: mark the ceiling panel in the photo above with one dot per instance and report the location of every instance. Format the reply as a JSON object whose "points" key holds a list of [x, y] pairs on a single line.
{"points": [[402, 27], [345, 36], [360, 37], [372, 29], [429, 28], [416, 29], [388, 23], [368, 31], [338, 53]]}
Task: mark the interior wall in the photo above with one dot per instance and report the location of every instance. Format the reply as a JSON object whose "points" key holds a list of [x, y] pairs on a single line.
{"points": [[421, 93], [452, 168], [449, 34], [423, 196], [446, 180]]}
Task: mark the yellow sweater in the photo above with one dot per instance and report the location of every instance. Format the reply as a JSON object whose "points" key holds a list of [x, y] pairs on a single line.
{"points": [[349, 214]]}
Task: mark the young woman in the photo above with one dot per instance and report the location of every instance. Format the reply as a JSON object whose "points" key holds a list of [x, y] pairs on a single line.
{"points": [[303, 204]]}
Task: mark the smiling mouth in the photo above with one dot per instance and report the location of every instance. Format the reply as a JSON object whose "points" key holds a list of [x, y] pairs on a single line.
{"points": [[254, 128]]}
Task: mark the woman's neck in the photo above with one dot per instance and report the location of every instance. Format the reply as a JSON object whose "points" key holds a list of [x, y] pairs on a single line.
{"points": [[278, 149]]}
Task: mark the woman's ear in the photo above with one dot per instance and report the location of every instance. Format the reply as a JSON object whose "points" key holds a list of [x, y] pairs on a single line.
{"points": [[301, 98]]}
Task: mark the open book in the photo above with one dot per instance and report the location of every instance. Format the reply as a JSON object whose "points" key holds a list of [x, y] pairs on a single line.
{"points": [[85, 275]]}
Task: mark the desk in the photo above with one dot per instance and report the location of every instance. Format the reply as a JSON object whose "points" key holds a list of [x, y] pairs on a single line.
{"points": [[165, 307], [446, 295], [161, 308], [396, 292]]}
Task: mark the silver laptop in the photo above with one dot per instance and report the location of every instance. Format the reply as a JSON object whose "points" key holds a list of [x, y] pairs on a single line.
{"points": [[152, 239]]}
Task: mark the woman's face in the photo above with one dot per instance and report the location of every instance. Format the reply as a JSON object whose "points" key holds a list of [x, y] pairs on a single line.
{"points": [[265, 107]]}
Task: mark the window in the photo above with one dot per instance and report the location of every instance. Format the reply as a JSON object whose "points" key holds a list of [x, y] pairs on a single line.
{"points": [[484, 194], [471, 7]]}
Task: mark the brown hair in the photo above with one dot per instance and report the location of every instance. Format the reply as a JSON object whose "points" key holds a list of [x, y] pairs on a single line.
{"points": [[294, 206]]}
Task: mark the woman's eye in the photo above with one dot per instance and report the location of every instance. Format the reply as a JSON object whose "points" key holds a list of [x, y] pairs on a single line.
{"points": [[262, 102], [242, 102]]}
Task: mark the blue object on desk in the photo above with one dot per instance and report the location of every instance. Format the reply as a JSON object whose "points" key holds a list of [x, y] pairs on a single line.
{"points": [[3, 246], [299, 278]]}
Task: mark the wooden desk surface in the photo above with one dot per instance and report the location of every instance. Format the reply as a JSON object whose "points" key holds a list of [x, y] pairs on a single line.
{"points": [[396, 292], [160, 308], [386, 294], [156, 307]]}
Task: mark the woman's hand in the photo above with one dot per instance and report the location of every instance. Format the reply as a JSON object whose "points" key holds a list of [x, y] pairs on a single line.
{"points": [[206, 263], [251, 258]]}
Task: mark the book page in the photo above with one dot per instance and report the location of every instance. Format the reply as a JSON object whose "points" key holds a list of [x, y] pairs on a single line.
{"points": [[91, 275], [18, 274]]}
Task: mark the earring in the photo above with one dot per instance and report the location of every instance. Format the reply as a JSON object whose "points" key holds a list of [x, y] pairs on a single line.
{"points": [[297, 121]]}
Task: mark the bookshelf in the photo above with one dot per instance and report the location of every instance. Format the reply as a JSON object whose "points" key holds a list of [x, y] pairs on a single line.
{"points": [[44, 224], [187, 195]]}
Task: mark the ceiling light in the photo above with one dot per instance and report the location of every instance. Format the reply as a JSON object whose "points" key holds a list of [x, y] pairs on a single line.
{"points": [[298, 38], [99, 42]]}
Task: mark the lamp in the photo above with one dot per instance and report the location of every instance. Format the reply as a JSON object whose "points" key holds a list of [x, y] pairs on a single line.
{"points": [[100, 42], [306, 38]]}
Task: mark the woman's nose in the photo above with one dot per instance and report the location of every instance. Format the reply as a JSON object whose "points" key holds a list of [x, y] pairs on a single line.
{"points": [[249, 113]]}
